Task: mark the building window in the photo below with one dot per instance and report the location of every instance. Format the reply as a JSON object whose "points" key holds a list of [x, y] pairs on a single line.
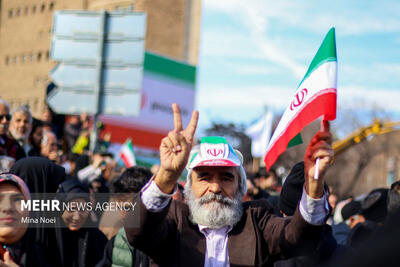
{"points": [[47, 55], [26, 10], [31, 57], [7, 61], [34, 9], [43, 7], [10, 13], [39, 56], [18, 12], [23, 58], [51, 6]]}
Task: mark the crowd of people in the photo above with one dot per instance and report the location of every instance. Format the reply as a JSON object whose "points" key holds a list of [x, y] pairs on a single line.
{"points": [[221, 215]]}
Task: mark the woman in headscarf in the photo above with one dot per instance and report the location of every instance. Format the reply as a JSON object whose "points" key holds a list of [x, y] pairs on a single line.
{"points": [[35, 137], [17, 247], [40, 174], [78, 242]]}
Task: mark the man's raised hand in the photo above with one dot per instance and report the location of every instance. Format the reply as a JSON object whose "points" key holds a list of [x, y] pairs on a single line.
{"points": [[175, 149], [319, 147]]}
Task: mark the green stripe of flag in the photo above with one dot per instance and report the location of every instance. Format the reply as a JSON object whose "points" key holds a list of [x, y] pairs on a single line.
{"points": [[213, 140], [171, 68], [129, 144], [297, 140], [326, 53]]}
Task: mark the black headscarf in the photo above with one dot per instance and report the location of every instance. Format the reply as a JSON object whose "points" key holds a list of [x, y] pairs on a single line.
{"points": [[292, 190], [84, 247], [40, 174], [35, 150]]}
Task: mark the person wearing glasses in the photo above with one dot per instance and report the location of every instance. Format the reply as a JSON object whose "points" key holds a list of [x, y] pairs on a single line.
{"points": [[8, 146]]}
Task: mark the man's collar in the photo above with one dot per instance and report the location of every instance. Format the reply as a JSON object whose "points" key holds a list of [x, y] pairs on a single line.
{"points": [[205, 230]]}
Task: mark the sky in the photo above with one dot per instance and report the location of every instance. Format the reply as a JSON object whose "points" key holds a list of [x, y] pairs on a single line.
{"points": [[254, 53]]}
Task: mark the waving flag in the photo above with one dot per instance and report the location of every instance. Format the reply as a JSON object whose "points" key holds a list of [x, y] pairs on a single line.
{"points": [[260, 133], [315, 97], [127, 155]]}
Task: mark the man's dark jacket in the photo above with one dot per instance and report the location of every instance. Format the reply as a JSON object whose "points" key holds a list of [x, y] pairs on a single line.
{"points": [[258, 239]]}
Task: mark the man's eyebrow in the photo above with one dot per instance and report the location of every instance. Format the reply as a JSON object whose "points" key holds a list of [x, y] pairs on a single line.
{"points": [[202, 174], [228, 174]]}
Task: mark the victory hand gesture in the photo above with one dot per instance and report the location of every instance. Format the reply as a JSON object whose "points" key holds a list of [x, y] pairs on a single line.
{"points": [[175, 150]]}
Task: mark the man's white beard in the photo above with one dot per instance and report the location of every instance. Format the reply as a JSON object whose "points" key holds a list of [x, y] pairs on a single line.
{"points": [[213, 210], [18, 136]]}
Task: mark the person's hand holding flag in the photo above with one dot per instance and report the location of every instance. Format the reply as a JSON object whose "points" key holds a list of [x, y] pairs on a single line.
{"points": [[317, 159]]}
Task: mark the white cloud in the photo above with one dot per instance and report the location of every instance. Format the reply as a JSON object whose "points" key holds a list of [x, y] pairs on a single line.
{"points": [[228, 44], [255, 15], [244, 97], [382, 98], [318, 16], [254, 69], [376, 72]]}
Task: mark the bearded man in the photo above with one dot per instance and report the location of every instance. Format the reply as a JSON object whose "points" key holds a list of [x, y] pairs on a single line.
{"points": [[215, 228], [8, 146], [21, 126]]}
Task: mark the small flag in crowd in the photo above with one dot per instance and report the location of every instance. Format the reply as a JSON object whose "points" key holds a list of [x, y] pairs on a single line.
{"points": [[260, 133], [315, 96], [127, 155]]}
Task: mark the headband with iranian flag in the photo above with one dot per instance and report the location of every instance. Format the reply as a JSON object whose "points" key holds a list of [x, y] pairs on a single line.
{"points": [[214, 151]]}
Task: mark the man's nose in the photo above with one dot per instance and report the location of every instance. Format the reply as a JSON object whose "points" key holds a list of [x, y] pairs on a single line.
{"points": [[215, 187]]}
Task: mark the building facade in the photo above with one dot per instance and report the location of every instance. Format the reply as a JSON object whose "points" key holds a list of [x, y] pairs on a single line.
{"points": [[173, 30]]}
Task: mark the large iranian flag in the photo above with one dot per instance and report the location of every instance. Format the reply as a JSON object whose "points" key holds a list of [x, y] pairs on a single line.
{"points": [[314, 97]]}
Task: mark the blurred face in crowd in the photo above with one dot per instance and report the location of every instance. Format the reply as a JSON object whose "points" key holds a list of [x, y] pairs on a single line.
{"points": [[49, 144], [124, 200], [46, 116], [107, 167], [356, 219], [37, 136], [11, 228], [213, 196], [75, 218], [269, 182], [84, 118], [332, 199], [4, 119], [74, 119], [20, 125]]}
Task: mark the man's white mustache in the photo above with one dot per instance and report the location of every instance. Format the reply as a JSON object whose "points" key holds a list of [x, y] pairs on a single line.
{"points": [[210, 197]]}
